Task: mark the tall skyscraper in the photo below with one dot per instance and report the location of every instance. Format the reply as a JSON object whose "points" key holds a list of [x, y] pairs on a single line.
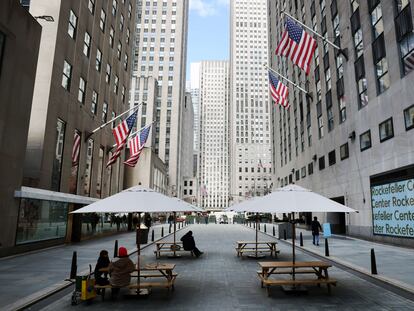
{"points": [[214, 135], [250, 151], [160, 51], [353, 140], [82, 82], [194, 86]]}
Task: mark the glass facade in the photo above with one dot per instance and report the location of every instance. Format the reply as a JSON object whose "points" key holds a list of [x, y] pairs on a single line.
{"points": [[41, 220]]}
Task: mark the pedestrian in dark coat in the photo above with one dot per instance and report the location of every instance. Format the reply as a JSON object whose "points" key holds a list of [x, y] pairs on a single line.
{"points": [[189, 244], [101, 278], [315, 226]]}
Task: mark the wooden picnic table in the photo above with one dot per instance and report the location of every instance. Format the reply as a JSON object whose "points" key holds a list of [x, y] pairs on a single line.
{"points": [[273, 268], [256, 247], [168, 247]]}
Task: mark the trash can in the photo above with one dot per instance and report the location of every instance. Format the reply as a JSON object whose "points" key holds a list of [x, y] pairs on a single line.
{"points": [[143, 235]]}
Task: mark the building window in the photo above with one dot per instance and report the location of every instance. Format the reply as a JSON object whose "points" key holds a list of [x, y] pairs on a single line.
{"points": [[119, 50], [121, 23], [111, 36], [73, 21], [331, 158], [386, 130], [321, 163], [73, 178], [82, 91], [67, 75], [365, 140], [108, 73], [409, 118], [88, 168], [303, 172], [378, 49], [91, 6], [310, 168], [58, 158], [99, 178], [94, 105], [98, 61], [87, 44], [405, 34], [126, 62], [297, 175], [102, 20], [114, 7], [344, 151], [116, 84], [104, 112]]}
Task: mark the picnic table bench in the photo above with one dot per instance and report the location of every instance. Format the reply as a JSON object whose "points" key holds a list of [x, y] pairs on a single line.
{"points": [[168, 247], [149, 271], [319, 268], [259, 247]]}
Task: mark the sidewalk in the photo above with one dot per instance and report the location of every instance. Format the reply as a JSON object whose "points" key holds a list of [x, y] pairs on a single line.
{"points": [[394, 264], [26, 277]]}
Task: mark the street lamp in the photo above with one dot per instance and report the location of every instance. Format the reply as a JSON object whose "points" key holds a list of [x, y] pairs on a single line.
{"points": [[47, 18]]}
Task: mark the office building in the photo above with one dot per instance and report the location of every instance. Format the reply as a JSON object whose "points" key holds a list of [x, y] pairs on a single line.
{"points": [[353, 140], [82, 81], [160, 52], [19, 48], [250, 143], [213, 172]]}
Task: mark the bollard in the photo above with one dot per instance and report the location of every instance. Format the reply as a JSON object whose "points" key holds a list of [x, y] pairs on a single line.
{"points": [[373, 262], [73, 267], [284, 234], [116, 249], [162, 232], [169, 229], [326, 248], [152, 236], [301, 239], [265, 228], [274, 231]]}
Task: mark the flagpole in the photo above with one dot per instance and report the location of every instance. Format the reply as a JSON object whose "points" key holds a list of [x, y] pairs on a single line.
{"points": [[291, 82], [136, 132], [342, 51], [110, 121]]}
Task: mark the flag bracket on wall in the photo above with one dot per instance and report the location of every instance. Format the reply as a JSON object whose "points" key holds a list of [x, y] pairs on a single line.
{"points": [[344, 52]]}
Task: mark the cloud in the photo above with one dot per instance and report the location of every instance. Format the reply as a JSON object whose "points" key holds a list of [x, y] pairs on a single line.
{"points": [[207, 7]]}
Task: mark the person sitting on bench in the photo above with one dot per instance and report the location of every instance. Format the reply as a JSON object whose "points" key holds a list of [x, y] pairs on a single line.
{"points": [[189, 244], [101, 278], [120, 271]]}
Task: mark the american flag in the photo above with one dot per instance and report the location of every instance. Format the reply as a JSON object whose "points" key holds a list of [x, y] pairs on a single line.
{"points": [[260, 164], [409, 62], [122, 131], [297, 44], [278, 91], [136, 145], [76, 148]]}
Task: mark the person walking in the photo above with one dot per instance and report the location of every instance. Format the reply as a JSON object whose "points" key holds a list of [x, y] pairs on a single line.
{"points": [[315, 226], [189, 244]]}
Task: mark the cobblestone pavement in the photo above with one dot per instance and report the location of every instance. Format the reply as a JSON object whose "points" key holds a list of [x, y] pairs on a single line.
{"points": [[219, 280]]}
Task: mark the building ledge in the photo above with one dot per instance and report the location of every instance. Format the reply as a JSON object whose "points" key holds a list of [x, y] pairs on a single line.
{"points": [[42, 194]]}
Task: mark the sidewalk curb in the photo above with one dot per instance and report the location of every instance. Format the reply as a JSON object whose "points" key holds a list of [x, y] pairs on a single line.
{"points": [[53, 289], [392, 282]]}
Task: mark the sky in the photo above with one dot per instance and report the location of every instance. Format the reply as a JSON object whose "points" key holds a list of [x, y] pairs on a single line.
{"points": [[208, 31]]}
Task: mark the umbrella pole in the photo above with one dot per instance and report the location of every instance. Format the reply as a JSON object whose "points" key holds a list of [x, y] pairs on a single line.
{"points": [[139, 251], [175, 219], [257, 230], [293, 245]]}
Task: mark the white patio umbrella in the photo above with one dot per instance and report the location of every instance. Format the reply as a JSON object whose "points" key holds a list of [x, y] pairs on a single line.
{"points": [[139, 199], [291, 199]]}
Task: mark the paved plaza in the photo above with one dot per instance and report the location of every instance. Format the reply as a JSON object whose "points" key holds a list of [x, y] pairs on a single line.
{"points": [[221, 281]]}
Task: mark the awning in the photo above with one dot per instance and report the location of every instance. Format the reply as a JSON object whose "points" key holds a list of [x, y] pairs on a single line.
{"points": [[47, 195]]}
